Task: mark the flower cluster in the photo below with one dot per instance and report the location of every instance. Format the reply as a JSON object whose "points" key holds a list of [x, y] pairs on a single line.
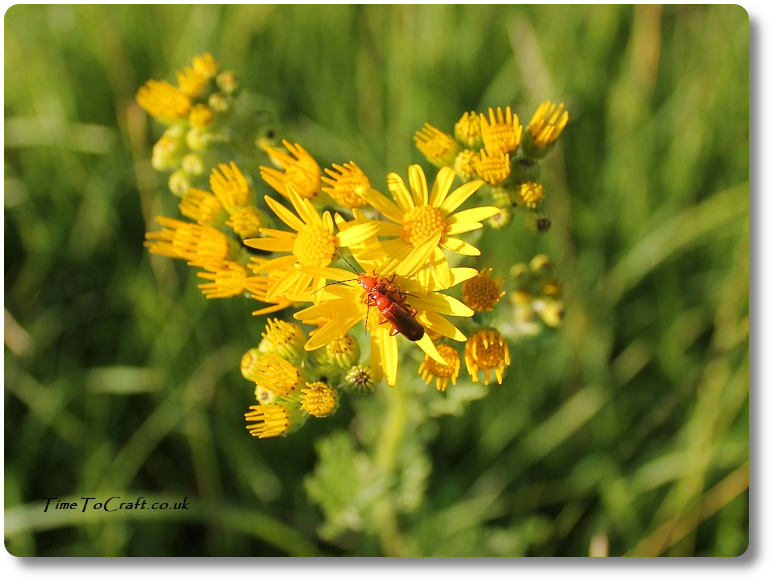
{"points": [[537, 296], [356, 276], [496, 149]]}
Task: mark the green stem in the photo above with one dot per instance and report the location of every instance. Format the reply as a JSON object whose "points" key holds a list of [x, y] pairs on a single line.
{"points": [[386, 457]]}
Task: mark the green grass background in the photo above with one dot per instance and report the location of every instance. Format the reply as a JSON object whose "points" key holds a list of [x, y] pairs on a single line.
{"points": [[625, 432]]}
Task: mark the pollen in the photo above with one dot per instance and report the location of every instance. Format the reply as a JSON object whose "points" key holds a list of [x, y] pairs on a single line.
{"points": [[438, 147], [468, 130], [276, 374], [531, 193], [443, 373], [487, 350], [315, 246], [246, 222], [421, 222], [268, 420], [343, 182], [501, 133], [231, 187], [163, 100], [319, 400], [482, 293], [225, 281], [493, 168]]}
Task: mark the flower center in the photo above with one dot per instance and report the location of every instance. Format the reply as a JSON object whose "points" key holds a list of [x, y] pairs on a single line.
{"points": [[422, 221], [314, 246]]}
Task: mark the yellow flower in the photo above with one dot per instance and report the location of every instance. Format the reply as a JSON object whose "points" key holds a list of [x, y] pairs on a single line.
{"points": [[231, 187], [465, 164], [200, 245], [226, 281], [319, 400], [493, 167], [192, 80], [283, 338], [200, 116], [300, 171], [205, 65], [343, 182], [443, 373], [312, 243], [259, 285], [271, 420], [487, 350], [501, 133], [545, 128], [163, 100], [276, 374], [246, 222], [482, 293], [343, 306], [424, 223], [439, 148], [468, 130], [202, 207], [531, 193]]}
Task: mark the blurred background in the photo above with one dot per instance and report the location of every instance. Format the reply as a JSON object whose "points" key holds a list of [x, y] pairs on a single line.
{"points": [[626, 431]]}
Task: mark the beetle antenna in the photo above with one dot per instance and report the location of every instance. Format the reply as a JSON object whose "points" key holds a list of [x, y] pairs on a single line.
{"points": [[345, 260], [333, 283]]}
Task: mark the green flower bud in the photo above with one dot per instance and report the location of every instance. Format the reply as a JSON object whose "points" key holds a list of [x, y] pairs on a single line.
{"points": [[524, 169], [179, 182], [193, 164], [359, 380]]}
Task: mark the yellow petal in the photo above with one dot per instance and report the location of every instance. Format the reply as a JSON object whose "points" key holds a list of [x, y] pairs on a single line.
{"points": [[460, 195], [357, 234], [284, 214], [440, 324], [444, 180], [460, 246], [442, 304], [278, 264], [429, 348], [473, 215], [328, 309], [459, 228], [276, 234], [270, 244], [328, 332], [418, 184], [381, 203], [419, 256], [399, 191]]}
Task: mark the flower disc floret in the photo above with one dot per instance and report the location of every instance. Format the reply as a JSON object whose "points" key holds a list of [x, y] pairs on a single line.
{"points": [[482, 293], [421, 222], [268, 420], [487, 350], [276, 374], [315, 246], [443, 373], [343, 181], [501, 133], [438, 147], [468, 130], [319, 400]]}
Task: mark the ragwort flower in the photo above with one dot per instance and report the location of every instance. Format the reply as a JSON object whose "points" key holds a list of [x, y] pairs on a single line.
{"points": [[417, 216], [341, 307], [311, 243], [300, 171]]}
